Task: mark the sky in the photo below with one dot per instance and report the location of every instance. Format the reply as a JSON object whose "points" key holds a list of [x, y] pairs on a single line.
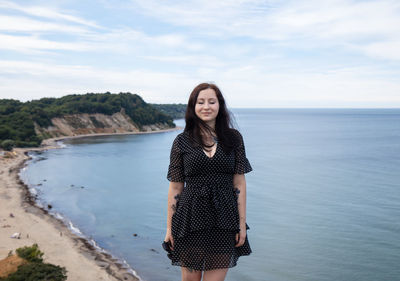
{"points": [[261, 54]]}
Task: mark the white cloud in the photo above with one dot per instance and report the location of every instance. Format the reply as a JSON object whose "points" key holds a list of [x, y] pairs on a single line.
{"points": [[243, 87], [46, 12], [309, 23], [116, 41], [387, 50], [52, 80], [308, 90], [261, 53], [29, 43], [23, 24], [210, 61], [127, 39]]}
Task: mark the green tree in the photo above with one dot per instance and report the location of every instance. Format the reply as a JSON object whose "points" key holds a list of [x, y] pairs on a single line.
{"points": [[38, 271], [7, 145]]}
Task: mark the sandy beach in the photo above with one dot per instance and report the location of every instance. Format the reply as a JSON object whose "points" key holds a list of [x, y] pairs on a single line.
{"points": [[18, 213]]}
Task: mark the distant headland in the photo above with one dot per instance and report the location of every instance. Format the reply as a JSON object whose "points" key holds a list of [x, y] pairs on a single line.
{"points": [[27, 124]]}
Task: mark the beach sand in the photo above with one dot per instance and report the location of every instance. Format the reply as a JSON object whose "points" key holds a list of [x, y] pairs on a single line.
{"points": [[18, 213]]}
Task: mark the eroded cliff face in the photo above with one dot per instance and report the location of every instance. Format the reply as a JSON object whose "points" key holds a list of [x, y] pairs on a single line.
{"points": [[81, 124]]}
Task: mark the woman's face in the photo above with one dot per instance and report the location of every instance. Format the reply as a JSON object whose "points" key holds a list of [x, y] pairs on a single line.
{"points": [[207, 106]]}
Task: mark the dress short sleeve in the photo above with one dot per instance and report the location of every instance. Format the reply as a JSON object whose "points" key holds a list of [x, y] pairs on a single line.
{"points": [[175, 168], [242, 164]]}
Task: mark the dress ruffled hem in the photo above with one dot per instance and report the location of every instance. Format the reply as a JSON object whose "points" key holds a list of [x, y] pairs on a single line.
{"points": [[208, 250]]}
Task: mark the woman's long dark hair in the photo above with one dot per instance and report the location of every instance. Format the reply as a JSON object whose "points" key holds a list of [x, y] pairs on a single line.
{"points": [[223, 122]]}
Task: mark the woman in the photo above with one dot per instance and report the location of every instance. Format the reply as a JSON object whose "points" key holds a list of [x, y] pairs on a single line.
{"points": [[206, 217]]}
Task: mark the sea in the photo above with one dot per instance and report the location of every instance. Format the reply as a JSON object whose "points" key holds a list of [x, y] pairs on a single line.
{"points": [[323, 199]]}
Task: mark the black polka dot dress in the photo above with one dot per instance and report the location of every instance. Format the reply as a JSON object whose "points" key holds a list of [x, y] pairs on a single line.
{"points": [[206, 218]]}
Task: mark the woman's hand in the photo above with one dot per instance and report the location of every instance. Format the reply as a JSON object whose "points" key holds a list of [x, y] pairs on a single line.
{"points": [[240, 237], [168, 237]]}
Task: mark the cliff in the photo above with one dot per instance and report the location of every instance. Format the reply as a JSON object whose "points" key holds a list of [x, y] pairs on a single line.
{"points": [[95, 123], [26, 124]]}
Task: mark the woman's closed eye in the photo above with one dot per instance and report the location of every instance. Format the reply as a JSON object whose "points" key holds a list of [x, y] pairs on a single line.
{"points": [[202, 102]]}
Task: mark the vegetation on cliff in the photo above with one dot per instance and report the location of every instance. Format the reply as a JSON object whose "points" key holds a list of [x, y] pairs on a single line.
{"points": [[175, 110], [30, 267], [17, 119]]}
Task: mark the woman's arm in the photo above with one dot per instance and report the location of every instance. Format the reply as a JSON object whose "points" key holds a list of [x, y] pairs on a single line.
{"points": [[239, 182], [175, 188]]}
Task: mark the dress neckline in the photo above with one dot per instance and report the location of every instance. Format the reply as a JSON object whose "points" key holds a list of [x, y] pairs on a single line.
{"points": [[205, 154]]}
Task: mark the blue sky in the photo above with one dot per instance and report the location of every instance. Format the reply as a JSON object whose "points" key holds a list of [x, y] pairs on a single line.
{"points": [[334, 53]]}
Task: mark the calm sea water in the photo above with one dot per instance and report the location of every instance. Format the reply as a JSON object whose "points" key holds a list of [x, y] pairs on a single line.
{"points": [[323, 201]]}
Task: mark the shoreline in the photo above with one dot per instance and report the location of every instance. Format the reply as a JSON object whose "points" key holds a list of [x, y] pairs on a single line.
{"points": [[51, 143], [81, 256]]}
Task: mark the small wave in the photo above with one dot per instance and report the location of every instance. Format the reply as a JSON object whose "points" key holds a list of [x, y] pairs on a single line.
{"points": [[33, 191], [61, 144], [74, 229], [130, 270], [92, 242], [59, 216], [35, 156]]}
